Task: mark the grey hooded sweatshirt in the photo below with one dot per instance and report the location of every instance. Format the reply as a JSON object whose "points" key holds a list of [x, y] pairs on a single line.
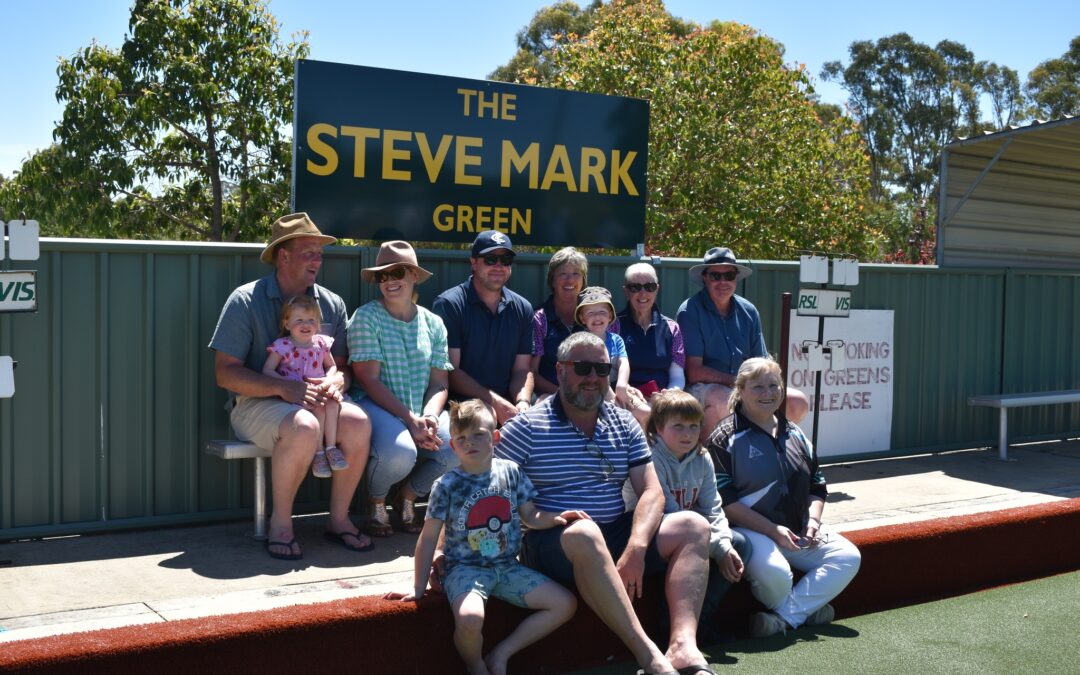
{"points": [[689, 483]]}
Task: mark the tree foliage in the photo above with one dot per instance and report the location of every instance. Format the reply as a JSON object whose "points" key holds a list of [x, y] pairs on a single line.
{"points": [[1054, 85], [737, 155], [909, 100], [1001, 84], [179, 132], [561, 22]]}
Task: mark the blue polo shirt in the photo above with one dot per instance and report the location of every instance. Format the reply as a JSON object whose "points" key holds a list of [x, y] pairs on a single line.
{"points": [[652, 351], [723, 342], [551, 452], [489, 342]]}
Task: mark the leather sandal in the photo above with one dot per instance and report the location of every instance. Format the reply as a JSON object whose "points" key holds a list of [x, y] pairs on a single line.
{"points": [[406, 508], [378, 522]]}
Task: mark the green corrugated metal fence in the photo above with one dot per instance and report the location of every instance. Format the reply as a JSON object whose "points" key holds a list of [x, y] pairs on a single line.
{"points": [[115, 393]]}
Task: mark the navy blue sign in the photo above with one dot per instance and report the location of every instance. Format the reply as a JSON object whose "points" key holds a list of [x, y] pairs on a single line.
{"points": [[385, 154]]}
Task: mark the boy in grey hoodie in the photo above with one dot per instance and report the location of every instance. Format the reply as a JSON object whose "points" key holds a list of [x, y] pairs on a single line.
{"points": [[686, 473]]}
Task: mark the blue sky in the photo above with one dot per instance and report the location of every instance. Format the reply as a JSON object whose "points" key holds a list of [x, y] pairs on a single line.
{"points": [[469, 38]]}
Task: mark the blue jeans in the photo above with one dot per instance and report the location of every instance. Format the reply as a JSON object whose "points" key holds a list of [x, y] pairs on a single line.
{"points": [[394, 455], [718, 586]]}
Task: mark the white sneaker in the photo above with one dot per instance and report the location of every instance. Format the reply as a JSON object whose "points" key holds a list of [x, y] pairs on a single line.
{"points": [[823, 615], [764, 624]]}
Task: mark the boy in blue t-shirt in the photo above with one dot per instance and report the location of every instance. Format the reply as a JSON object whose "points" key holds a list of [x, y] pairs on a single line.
{"points": [[483, 504]]}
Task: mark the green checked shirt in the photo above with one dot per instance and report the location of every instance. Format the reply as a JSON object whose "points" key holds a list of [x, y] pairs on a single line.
{"points": [[406, 351]]}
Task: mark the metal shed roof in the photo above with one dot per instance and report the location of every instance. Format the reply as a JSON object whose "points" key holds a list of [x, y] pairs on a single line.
{"points": [[1012, 198]]}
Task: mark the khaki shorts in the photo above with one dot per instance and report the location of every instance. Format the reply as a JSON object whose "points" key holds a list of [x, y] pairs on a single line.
{"points": [[258, 420]]}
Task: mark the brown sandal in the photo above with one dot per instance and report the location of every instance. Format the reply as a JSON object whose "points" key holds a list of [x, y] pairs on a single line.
{"points": [[406, 509], [378, 522]]}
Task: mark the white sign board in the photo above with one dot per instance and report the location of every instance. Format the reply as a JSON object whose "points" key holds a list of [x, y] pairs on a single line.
{"points": [[856, 400], [18, 291], [7, 377], [23, 238], [820, 302]]}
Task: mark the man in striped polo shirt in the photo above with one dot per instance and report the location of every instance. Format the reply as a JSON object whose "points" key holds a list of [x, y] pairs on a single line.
{"points": [[578, 450]]}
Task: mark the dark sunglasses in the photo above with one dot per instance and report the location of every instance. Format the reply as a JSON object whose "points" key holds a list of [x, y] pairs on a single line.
{"points": [[721, 276], [506, 259], [582, 368], [606, 467], [637, 288], [394, 273]]}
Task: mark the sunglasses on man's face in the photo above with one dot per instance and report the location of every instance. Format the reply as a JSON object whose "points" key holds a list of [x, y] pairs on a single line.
{"points": [[395, 274], [637, 288], [721, 276], [582, 368], [506, 259]]}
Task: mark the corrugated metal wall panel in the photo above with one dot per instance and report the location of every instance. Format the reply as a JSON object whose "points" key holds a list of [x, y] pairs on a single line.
{"points": [[116, 394], [1042, 331]]}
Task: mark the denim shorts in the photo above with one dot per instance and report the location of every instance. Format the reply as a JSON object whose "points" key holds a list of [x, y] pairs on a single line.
{"points": [[510, 582]]}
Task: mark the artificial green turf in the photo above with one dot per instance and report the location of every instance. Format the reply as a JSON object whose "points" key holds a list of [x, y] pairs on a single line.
{"points": [[1031, 627]]}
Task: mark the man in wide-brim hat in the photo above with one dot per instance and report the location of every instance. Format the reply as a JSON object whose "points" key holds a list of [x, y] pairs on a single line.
{"points": [[274, 413], [721, 330]]}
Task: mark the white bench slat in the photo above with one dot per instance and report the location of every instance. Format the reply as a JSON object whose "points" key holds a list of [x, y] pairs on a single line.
{"points": [[1027, 399], [1005, 401], [235, 450], [245, 450]]}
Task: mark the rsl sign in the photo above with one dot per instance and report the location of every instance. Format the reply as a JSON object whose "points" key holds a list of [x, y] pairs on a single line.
{"points": [[383, 154], [823, 302]]}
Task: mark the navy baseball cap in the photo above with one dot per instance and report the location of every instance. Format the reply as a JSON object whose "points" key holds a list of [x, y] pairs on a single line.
{"points": [[490, 240]]}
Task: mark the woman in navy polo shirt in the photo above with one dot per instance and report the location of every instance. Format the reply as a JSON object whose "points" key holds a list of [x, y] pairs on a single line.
{"points": [[568, 272], [654, 343]]}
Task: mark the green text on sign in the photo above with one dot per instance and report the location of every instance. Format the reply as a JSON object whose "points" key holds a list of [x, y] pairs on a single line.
{"points": [[18, 291], [815, 302]]}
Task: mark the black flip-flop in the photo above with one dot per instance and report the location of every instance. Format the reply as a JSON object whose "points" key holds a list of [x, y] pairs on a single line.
{"points": [[283, 556], [695, 669], [339, 538]]}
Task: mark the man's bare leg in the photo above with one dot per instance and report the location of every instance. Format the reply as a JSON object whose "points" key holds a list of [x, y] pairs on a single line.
{"points": [[599, 584], [354, 440], [683, 541], [298, 437]]}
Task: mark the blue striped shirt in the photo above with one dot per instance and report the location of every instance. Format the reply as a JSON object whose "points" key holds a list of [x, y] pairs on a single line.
{"points": [[552, 453]]}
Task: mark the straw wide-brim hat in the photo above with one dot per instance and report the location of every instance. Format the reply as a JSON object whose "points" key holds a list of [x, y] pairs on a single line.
{"points": [[718, 255], [393, 254], [290, 227], [594, 295]]}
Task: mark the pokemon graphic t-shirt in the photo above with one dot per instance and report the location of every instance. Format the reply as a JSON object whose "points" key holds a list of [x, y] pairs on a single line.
{"points": [[480, 512]]}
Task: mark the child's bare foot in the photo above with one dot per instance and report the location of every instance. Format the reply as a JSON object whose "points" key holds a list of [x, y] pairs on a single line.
{"points": [[496, 662]]}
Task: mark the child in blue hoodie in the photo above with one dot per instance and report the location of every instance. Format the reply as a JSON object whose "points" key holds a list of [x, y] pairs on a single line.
{"points": [[686, 473]]}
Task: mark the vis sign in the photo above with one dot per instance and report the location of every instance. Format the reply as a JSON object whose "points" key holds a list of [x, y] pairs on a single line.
{"points": [[819, 302], [18, 291]]}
